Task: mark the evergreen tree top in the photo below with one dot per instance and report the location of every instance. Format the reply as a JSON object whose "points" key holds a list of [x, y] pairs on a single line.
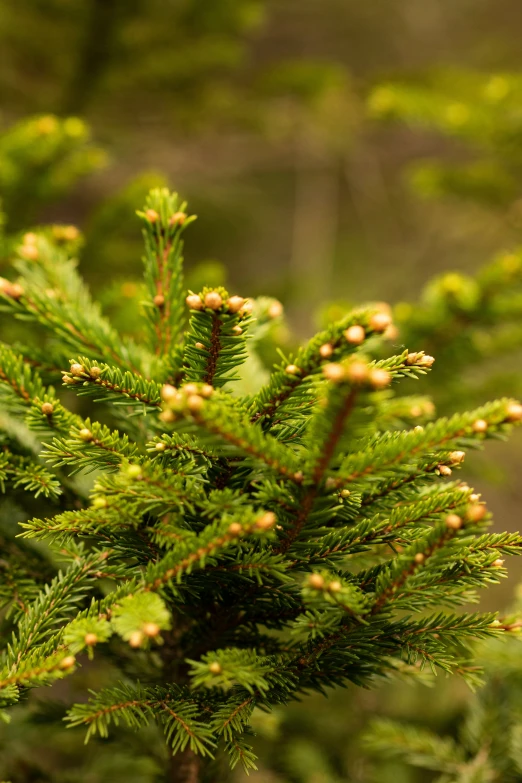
{"points": [[229, 551]]}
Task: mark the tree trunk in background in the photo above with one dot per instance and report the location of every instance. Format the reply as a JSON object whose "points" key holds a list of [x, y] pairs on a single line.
{"points": [[184, 767], [104, 21], [315, 226]]}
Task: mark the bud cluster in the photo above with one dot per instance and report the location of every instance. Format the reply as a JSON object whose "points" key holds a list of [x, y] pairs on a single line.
{"points": [[357, 372], [218, 299], [190, 397], [77, 372], [12, 290]]}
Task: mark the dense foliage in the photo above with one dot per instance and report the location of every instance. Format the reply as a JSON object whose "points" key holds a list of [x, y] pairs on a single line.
{"points": [[233, 550]]}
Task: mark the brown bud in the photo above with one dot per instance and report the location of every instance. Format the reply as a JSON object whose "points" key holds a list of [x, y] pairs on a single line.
{"points": [[391, 333], [215, 667], [237, 329], [160, 446], [151, 215], [247, 308], [67, 662], [476, 512], [379, 379], [168, 392], [29, 238], [200, 346], [85, 434], [159, 300], [47, 408], [90, 639], [357, 372], [355, 334], [444, 470], [213, 300], [514, 412], [69, 380], [474, 498], [194, 302], [235, 303], [167, 416], [95, 372], [275, 310], [30, 252], [77, 369], [453, 522], [234, 528], [177, 219], [326, 350], [456, 457], [498, 563], [292, 369], [379, 322], [70, 233], [316, 581], [298, 476], [419, 558], [267, 521], [195, 403], [413, 358], [190, 388], [334, 372], [136, 639], [16, 291], [426, 361], [335, 586], [206, 390], [150, 629], [480, 425]]}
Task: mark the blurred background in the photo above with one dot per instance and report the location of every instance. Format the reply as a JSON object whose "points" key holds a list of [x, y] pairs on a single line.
{"points": [[336, 152]]}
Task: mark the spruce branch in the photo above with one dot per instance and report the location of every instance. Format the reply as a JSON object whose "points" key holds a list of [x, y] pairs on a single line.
{"points": [[164, 218]]}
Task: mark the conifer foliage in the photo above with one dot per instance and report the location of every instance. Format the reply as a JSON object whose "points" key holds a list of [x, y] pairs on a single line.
{"points": [[230, 552]]}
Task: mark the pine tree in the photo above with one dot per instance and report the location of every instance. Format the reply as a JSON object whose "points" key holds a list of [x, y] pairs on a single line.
{"points": [[487, 743], [225, 551]]}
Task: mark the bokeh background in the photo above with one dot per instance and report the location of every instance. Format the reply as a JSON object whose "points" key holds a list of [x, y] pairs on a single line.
{"points": [[335, 151]]}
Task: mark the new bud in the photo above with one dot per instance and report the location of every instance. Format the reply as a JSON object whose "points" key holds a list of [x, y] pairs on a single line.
{"points": [[267, 521], [90, 639], [379, 379], [275, 310], [151, 629], [194, 302], [213, 300], [453, 522], [379, 322], [355, 334], [326, 350], [334, 372], [316, 581], [47, 409], [235, 303], [456, 457], [177, 219], [476, 512], [514, 412]]}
